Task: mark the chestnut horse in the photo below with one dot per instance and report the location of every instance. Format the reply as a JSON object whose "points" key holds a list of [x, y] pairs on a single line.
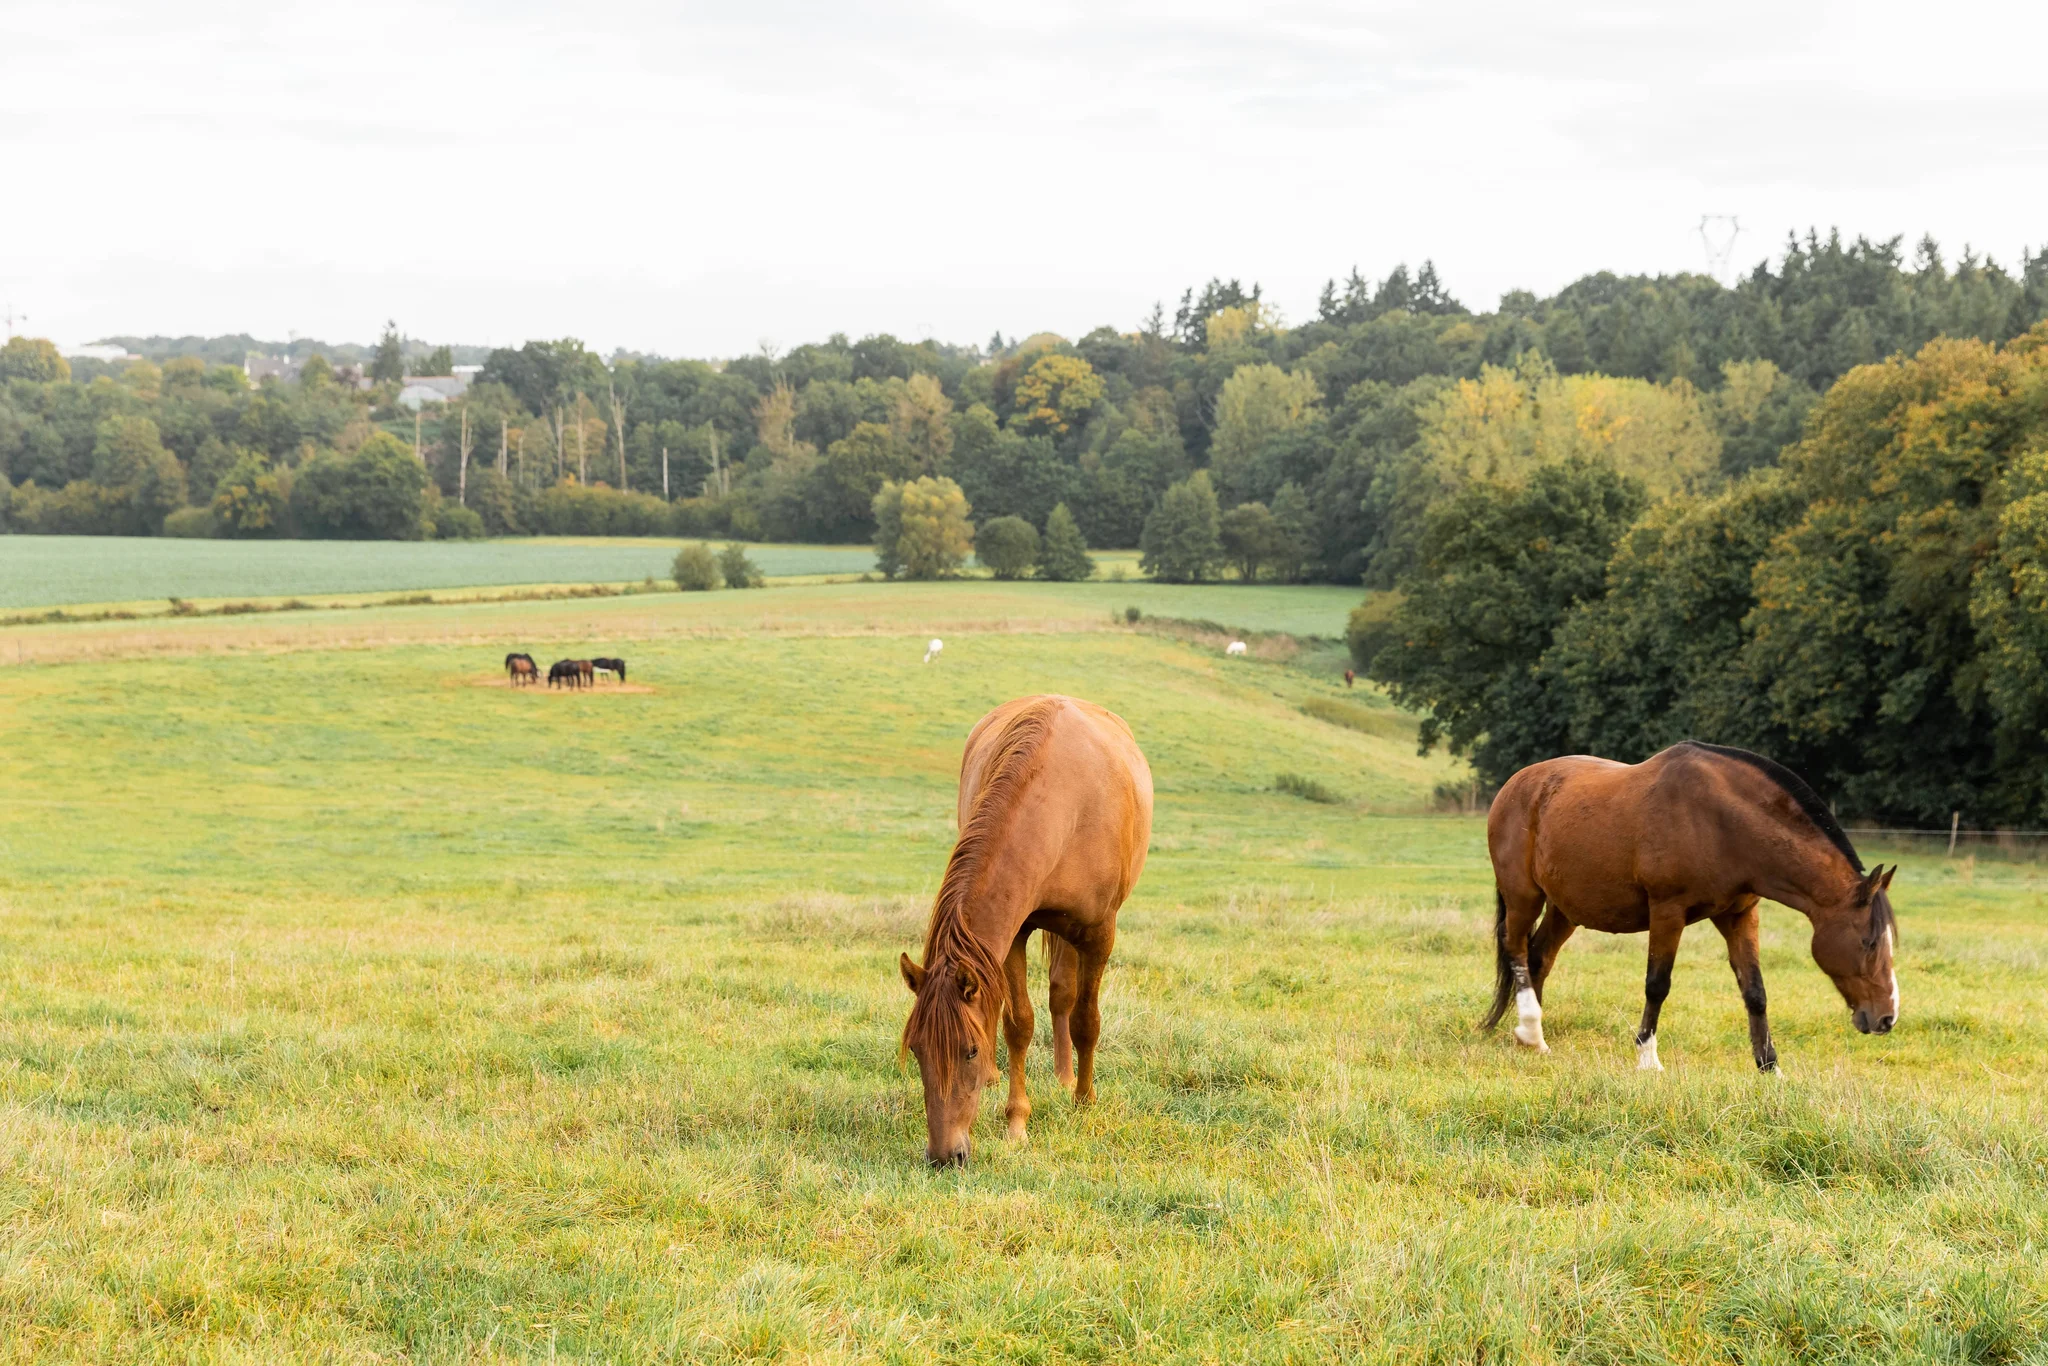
{"points": [[1055, 816], [1695, 832]]}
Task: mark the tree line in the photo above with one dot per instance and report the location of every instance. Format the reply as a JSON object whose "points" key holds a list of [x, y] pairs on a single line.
{"points": [[1222, 440]]}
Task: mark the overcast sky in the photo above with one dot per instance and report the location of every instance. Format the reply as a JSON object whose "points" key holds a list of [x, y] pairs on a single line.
{"points": [[703, 179]]}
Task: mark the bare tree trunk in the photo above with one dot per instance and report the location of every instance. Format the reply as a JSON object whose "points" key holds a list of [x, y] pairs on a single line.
{"points": [[717, 474], [664, 473], [558, 443], [619, 430], [582, 451], [522, 455], [462, 470], [416, 415], [504, 467]]}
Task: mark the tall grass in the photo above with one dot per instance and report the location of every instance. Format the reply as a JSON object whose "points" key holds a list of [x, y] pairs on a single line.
{"points": [[350, 1012]]}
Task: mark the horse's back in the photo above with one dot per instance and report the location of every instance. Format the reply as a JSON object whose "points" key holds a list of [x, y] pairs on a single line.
{"points": [[1090, 792]]}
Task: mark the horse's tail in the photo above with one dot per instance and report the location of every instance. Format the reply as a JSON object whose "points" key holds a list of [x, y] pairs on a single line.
{"points": [[1503, 970]]}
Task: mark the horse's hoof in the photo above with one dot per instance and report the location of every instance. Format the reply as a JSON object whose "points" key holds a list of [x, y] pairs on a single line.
{"points": [[1531, 1038], [1017, 1133], [1646, 1056]]}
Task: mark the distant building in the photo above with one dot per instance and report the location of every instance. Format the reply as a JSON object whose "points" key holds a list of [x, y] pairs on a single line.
{"points": [[101, 351], [420, 389], [259, 368]]}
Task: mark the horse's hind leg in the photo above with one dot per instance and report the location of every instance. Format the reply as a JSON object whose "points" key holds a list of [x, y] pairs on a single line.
{"points": [[1740, 928], [1518, 920], [1017, 1026], [1092, 958], [1667, 925], [1063, 966], [1545, 943]]}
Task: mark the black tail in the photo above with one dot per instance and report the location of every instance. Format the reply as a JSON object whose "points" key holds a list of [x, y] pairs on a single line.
{"points": [[1503, 971]]}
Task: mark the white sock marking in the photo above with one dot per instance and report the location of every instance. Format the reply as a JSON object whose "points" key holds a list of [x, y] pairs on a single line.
{"points": [[1529, 1017], [1646, 1056]]}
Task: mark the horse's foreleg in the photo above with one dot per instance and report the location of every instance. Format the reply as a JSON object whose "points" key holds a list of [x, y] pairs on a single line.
{"points": [[1017, 1027], [1741, 928], [1667, 924], [1063, 966], [1093, 958]]}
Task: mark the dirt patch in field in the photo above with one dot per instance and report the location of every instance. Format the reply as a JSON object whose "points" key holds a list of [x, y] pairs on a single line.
{"points": [[542, 686]]}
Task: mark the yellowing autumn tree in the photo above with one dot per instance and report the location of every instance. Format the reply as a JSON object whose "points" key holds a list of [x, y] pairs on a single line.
{"points": [[1055, 395], [1507, 424], [921, 528]]}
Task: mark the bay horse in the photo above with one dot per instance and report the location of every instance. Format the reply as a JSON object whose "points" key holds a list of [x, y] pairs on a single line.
{"points": [[1694, 832], [521, 668], [566, 673], [1055, 812]]}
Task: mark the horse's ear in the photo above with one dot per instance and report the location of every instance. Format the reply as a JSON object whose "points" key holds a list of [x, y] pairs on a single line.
{"points": [[1884, 884], [913, 975], [969, 989]]}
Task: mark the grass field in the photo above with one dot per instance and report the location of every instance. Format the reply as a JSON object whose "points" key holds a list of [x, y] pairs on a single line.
{"points": [[354, 1007], [55, 571]]}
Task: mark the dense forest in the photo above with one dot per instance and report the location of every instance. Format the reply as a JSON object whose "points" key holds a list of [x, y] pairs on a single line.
{"points": [[1806, 513]]}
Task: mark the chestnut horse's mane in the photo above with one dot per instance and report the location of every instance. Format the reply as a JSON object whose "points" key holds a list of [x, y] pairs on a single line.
{"points": [[948, 940], [1797, 789]]}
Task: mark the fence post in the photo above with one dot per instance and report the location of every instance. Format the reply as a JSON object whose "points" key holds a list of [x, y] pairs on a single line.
{"points": [[1955, 818]]}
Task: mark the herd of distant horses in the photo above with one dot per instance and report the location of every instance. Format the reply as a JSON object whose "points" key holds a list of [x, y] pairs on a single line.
{"points": [[563, 673], [1055, 814]]}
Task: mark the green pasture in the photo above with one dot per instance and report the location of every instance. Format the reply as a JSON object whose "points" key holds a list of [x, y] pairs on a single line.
{"points": [[354, 1007], [56, 571]]}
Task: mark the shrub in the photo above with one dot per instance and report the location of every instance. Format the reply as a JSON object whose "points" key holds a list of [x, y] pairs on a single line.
{"points": [[1008, 546], [376, 494], [696, 569], [700, 517], [1132, 615], [1064, 556], [593, 510], [454, 522], [1372, 627], [192, 523], [739, 571], [251, 499], [1308, 789]]}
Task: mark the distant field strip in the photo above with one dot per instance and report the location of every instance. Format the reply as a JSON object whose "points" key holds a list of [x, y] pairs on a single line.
{"points": [[58, 571]]}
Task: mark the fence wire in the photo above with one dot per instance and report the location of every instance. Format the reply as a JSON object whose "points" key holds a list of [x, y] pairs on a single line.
{"points": [[2020, 846]]}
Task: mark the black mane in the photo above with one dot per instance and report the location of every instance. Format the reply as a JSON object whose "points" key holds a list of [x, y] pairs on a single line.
{"points": [[1795, 787]]}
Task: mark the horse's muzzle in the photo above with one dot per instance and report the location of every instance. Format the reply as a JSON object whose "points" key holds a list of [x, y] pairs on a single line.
{"points": [[1866, 1023], [941, 1161]]}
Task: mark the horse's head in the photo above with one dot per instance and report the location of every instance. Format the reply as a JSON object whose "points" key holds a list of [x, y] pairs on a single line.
{"points": [[951, 1031], [1853, 945]]}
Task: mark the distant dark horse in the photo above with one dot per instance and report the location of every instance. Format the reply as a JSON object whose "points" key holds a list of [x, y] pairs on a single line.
{"points": [[610, 666], [1349, 678], [1696, 832], [521, 669], [568, 673]]}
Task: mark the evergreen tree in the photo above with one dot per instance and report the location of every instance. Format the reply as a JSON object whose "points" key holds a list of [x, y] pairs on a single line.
{"points": [[389, 363], [1182, 542], [1063, 556]]}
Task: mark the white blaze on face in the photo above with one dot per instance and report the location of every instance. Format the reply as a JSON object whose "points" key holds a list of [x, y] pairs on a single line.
{"points": [[1895, 973], [1646, 1056]]}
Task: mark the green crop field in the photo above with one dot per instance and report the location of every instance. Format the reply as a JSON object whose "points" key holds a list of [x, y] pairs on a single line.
{"points": [[55, 571], [355, 1007]]}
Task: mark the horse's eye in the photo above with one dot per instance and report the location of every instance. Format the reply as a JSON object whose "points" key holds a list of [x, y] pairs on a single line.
{"points": [[973, 1053]]}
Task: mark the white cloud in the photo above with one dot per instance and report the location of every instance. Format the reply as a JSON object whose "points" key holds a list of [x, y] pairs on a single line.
{"points": [[695, 178]]}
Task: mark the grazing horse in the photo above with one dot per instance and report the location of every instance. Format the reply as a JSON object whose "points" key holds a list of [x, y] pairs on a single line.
{"points": [[566, 673], [1695, 832], [610, 666], [520, 668], [1055, 815], [1349, 678], [931, 651], [1234, 648]]}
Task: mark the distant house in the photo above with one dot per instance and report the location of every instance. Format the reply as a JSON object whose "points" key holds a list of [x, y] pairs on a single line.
{"points": [[259, 368], [423, 389]]}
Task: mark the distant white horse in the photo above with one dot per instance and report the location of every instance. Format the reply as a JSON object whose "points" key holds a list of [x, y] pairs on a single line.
{"points": [[931, 651], [1235, 647]]}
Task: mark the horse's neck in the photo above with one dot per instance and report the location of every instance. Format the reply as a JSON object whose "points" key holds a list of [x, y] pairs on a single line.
{"points": [[1002, 897], [1814, 881]]}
